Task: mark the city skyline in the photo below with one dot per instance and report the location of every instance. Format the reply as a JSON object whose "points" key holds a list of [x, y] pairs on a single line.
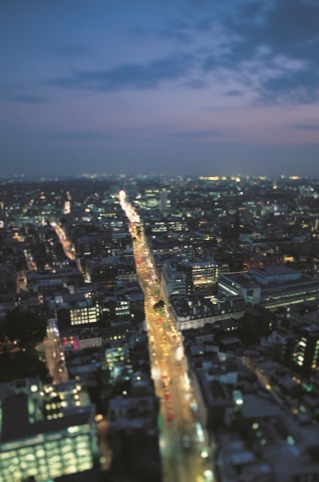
{"points": [[164, 332], [148, 87]]}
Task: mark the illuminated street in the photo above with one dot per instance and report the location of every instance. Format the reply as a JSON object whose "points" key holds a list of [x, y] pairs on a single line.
{"points": [[54, 354], [185, 455], [67, 246]]}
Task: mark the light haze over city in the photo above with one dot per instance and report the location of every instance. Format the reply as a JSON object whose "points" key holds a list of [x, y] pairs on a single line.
{"points": [[190, 87]]}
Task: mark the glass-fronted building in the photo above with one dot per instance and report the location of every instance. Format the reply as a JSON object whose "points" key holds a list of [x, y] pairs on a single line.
{"points": [[42, 441]]}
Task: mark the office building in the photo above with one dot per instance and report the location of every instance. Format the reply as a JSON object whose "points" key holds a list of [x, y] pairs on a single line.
{"points": [[46, 434], [270, 287]]}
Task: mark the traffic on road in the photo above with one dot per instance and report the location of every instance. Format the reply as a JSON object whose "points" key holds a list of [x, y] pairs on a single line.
{"points": [[185, 452]]}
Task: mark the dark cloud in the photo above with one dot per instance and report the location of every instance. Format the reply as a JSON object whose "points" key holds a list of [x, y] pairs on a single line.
{"points": [[69, 50], [195, 83], [129, 76], [177, 29], [192, 135], [261, 33], [292, 25], [252, 10], [83, 136], [133, 134], [204, 24], [211, 63], [306, 127], [286, 26], [247, 38], [292, 87], [234, 93], [29, 99]]}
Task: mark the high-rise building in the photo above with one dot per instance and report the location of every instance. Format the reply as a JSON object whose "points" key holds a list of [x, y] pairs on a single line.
{"points": [[46, 433], [164, 203], [201, 275], [173, 279], [76, 310], [305, 348]]}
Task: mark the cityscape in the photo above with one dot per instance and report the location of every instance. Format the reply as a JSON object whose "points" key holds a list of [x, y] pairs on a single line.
{"points": [[159, 241], [159, 328]]}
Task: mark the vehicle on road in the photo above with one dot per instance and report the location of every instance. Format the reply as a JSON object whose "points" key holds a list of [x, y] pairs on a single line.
{"points": [[186, 441]]}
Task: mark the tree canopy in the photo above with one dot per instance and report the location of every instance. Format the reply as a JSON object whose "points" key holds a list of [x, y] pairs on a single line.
{"points": [[28, 328], [23, 360], [159, 305], [22, 364]]}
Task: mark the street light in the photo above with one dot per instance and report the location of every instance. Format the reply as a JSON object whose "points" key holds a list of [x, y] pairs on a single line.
{"points": [[208, 474]]}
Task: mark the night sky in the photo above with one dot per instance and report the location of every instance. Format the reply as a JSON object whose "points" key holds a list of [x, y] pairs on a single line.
{"points": [[190, 87]]}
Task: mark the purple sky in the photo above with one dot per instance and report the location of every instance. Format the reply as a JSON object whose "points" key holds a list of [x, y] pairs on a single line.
{"points": [[191, 87]]}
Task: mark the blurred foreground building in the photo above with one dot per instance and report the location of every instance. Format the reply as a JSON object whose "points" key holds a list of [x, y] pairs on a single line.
{"points": [[46, 432]]}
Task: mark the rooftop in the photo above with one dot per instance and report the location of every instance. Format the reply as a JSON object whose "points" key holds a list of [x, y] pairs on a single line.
{"points": [[16, 423]]}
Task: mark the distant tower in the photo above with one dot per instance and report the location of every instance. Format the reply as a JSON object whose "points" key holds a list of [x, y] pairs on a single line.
{"points": [[164, 201], [2, 215], [236, 226]]}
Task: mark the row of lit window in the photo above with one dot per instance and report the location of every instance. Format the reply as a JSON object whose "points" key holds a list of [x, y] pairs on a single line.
{"points": [[39, 450], [304, 290], [111, 360], [70, 445], [79, 313], [291, 302], [43, 472], [90, 319], [83, 319], [82, 322], [54, 466]]}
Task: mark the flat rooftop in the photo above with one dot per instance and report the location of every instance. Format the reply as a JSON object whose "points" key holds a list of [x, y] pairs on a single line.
{"points": [[246, 280], [16, 424], [274, 270]]}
